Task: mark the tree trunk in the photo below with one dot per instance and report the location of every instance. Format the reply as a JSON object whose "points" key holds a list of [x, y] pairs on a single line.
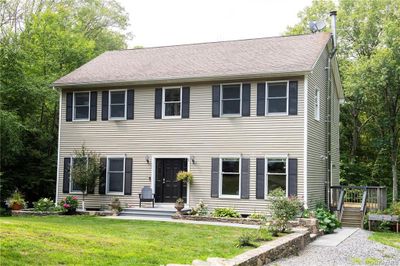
{"points": [[393, 157]]}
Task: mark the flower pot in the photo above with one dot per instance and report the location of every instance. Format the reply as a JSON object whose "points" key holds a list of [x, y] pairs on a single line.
{"points": [[179, 207], [70, 211], [16, 206]]}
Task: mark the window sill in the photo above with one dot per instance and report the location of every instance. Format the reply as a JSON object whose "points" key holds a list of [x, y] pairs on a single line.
{"points": [[230, 116], [171, 117], [115, 193], [229, 197], [80, 120], [117, 118], [277, 114]]}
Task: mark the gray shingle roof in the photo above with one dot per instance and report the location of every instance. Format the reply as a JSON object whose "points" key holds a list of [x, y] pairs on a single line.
{"points": [[262, 56]]}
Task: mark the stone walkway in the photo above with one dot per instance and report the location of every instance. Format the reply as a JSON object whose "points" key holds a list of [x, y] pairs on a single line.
{"points": [[149, 218], [355, 250]]}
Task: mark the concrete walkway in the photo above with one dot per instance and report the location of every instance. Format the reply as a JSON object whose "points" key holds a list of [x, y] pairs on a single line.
{"points": [[333, 240], [156, 219]]}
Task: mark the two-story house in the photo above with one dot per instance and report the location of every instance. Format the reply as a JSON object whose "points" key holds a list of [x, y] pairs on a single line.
{"points": [[245, 117]]}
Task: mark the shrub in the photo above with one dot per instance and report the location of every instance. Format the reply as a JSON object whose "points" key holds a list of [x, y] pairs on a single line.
{"points": [[225, 212], [395, 208], [274, 228], [263, 234], [201, 209], [327, 221], [116, 205], [44, 204], [307, 213], [245, 240], [284, 208], [184, 176], [257, 216], [69, 203]]}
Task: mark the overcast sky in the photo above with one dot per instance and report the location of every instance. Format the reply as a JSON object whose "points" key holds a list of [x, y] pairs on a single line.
{"points": [[168, 22]]}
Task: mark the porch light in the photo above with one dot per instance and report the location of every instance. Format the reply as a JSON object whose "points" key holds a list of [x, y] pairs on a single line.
{"points": [[192, 160], [147, 158]]}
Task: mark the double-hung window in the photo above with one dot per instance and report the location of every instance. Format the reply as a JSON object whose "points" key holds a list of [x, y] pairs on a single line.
{"points": [[115, 175], [172, 102], [74, 162], [316, 105], [231, 99], [230, 177], [117, 105], [81, 103], [276, 174], [277, 97]]}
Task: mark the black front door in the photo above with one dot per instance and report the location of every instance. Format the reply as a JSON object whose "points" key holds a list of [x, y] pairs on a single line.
{"points": [[167, 188]]}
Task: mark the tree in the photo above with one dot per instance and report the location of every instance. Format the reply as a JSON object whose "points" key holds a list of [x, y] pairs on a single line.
{"points": [[85, 171]]}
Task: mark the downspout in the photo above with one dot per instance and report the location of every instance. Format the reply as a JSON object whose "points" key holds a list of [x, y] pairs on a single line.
{"points": [[328, 120], [58, 143]]}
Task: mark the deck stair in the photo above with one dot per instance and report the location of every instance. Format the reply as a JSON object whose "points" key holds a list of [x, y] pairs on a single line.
{"points": [[351, 217], [156, 212]]}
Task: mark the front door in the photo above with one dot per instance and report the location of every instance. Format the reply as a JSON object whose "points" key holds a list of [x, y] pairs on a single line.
{"points": [[167, 188]]}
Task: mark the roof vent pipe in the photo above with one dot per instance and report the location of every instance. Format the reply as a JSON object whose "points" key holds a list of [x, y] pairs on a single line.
{"points": [[333, 27]]}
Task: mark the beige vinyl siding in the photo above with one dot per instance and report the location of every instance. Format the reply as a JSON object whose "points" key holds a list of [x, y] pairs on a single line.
{"points": [[316, 139], [316, 145], [200, 136]]}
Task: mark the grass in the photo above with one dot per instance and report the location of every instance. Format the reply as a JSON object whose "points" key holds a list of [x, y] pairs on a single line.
{"points": [[387, 238], [88, 240]]}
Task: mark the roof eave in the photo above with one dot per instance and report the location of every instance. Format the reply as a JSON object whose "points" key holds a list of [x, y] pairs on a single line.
{"points": [[115, 83]]}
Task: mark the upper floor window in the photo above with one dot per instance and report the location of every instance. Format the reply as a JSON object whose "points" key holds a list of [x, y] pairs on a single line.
{"points": [[115, 175], [81, 106], [172, 99], [117, 105], [276, 174], [230, 177], [316, 104], [231, 99], [277, 97]]}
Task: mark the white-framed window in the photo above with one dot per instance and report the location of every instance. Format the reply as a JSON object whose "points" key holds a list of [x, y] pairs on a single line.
{"points": [[73, 188], [229, 186], [115, 176], [316, 104], [277, 97], [172, 102], [117, 105], [81, 106], [231, 99], [276, 173]]}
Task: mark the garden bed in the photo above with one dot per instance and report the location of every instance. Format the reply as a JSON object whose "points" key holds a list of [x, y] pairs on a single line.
{"points": [[219, 219], [32, 212]]}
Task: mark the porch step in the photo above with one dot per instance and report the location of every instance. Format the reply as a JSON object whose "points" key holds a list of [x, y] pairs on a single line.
{"points": [[150, 212], [351, 217]]}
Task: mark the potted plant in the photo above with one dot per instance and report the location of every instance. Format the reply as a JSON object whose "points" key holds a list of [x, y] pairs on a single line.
{"points": [[179, 205], [69, 203], [16, 201], [116, 206], [184, 176]]}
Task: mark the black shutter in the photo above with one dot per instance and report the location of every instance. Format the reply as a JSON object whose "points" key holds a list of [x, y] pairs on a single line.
{"points": [[67, 167], [293, 95], [261, 99], [130, 101], [260, 178], [128, 176], [70, 96], [102, 181], [246, 92], [93, 106], [185, 102], [245, 179], [104, 105], [158, 103], [90, 189], [214, 177], [292, 177], [216, 90]]}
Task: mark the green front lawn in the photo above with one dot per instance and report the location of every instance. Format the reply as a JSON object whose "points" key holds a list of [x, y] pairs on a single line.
{"points": [[100, 241], [387, 238]]}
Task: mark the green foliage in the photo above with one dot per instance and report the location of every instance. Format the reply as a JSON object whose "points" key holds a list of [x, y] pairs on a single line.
{"points": [[184, 176], [116, 205], [16, 199], [283, 208], [257, 215], [44, 204], [245, 240], [201, 209], [47, 40], [395, 208], [327, 221], [263, 234], [225, 213], [307, 213], [69, 203]]}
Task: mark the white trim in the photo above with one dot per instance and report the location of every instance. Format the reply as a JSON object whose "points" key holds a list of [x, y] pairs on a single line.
{"points": [[73, 107], [153, 172], [163, 116], [221, 114], [58, 144], [287, 99], [317, 104], [107, 175], [221, 158], [305, 149], [109, 105], [273, 157]]}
